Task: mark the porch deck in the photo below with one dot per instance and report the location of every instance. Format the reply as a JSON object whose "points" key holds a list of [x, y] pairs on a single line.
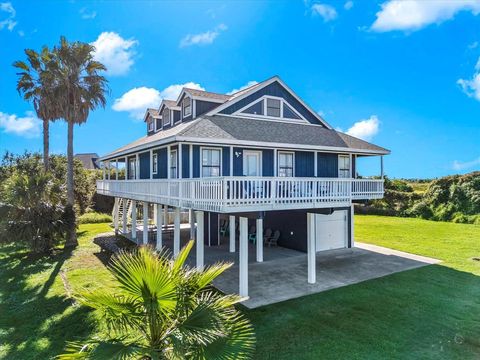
{"points": [[283, 274]]}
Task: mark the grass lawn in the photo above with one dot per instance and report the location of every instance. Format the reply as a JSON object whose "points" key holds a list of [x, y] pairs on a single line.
{"points": [[427, 313]]}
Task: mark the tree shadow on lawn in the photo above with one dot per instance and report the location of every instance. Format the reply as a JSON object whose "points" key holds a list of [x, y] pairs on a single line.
{"points": [[431, 312], [36, 323]]}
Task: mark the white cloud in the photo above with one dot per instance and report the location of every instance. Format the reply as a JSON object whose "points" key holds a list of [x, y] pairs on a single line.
{"points": [[365, 129], [471, 87], [137, 100], [115, 52], [327, 12], [27, 126], [348, 5], [473, 45], [8, 22], [411, 15], [204, 38], [248, 84], [86, 14], [457, 165]]}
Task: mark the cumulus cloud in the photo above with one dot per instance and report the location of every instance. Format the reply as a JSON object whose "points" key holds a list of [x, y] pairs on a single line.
{"points": [[411, 15], [458, 165], [115, 52], [365, 129], [327, 12], [27, 126], [87, 15], [348, 5], [471, 87], [205, 38], [7, 16], [247, 85], [137, 100]]}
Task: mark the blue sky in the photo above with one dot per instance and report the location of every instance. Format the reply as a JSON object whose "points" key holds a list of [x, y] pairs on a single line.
{"points": [[403, 75]]}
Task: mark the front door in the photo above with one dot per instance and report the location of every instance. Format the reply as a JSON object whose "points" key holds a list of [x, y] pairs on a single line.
{"points": [[252, 163]]}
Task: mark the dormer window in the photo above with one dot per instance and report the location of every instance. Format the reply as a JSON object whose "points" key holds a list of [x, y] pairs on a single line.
{"points": [[150, 124], [273, 107], [187, 106], [166, 116]]}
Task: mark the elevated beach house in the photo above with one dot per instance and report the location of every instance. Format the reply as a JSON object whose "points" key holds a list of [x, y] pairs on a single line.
{"points": [[253, 169]]}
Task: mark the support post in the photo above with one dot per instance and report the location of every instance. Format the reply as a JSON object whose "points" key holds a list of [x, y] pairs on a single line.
{"points": [[190, 161], [176, 232], [352, 226], [116, 169], [109, 170], [232, 232], [134, 219], [231, 160], [145, 223], [126, 169], [243, 258], [200, 245], [179, 163], [259, 240], [311, 248], [137, 166], [275, 159], [165, 215], [159, 227], [124, 215], [191, 218], [381, 166], [103, 170], [116, 207]]}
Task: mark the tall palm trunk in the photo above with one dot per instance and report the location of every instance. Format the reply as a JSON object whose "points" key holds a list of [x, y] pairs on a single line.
{"points": [[46, 140], [71, 240]]}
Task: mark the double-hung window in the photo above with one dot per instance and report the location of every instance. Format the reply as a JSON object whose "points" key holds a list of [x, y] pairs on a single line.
{"points": [[343, 166], [285, 164], [166, 116], [211, 162], [273, 107], [173, 164], [150, 125], [132, 162], [154, 163], [187, 106]]}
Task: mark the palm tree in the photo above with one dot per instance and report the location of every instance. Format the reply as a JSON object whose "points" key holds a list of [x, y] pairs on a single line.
{"points": [[35, 85], [79, 88], [160, 309]]}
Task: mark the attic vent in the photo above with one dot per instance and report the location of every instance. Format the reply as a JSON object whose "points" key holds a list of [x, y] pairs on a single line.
{"points": [[256, 109]]}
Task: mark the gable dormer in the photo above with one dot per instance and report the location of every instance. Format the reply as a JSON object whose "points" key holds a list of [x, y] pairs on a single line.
{"points": [[170, 113], [270, 100], [194, 102], [152, 118]]}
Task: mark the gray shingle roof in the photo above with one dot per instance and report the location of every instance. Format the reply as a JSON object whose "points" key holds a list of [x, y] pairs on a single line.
{"points": [[207, 94], [88, 160], [220, 129]]}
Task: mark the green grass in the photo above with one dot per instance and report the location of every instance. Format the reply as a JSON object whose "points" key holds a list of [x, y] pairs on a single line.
{"points": [[427, 313], [94, 218]]}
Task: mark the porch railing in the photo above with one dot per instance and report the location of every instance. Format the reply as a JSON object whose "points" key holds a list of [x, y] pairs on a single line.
{"points": [[234, 194]]}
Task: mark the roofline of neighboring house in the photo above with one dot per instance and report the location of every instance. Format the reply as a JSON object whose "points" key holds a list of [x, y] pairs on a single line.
{"points": [[195, 97], [261, 85], [256, 144]]}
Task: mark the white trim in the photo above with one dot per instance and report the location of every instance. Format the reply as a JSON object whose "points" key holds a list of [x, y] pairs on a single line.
{"points": [[275, 172], [151, 125], [180, 161], [231, 160], [137, 166], [293, 161], [348, 156], [261, 86], [315, 164], [194, 109], [156, 156], [151, 164], [170, 165], [257, 152], [190, 161], [169, 148], [200, 159], [183, 115]]}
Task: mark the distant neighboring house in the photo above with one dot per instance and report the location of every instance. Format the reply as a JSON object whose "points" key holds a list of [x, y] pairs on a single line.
{"points": [[258, 160], [89, 160]]}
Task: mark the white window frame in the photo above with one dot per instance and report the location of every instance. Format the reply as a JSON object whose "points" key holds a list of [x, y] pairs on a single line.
{"points": [[278, 161], [184, 114], [239, 113], [260, 153], [150, 124], [154, 163], [349, 166], [201, 158], [173, 151], [280, 107], [134, 170], [163, 117]]}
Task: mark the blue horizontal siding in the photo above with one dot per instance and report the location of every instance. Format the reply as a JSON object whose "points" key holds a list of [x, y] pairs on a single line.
{"points": [[162, 164], [225, 161], [327, 165], [144, 165], [267, 162], [196, 161], [185, 161], [304, 164]]}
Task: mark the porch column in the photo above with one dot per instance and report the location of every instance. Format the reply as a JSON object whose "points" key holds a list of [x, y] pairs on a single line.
{"points": [[159, 226], [176, 232], [311, 250], [124, 215], [116, 169], [169, 176], [109, 170], [275, 159], [103, 171], [145, 223], [243, 258], [165, 215], [134, 220], [231, 224], [352, 226], [179, 163], [116, 206], [200, 241], [137, 166], [190, 161], [259, 240], [191, 218], [126, 168], [381, 166], [231, 160]]}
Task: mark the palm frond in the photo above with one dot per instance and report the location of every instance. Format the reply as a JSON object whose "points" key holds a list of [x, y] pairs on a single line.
{"points": [[117, 348]]}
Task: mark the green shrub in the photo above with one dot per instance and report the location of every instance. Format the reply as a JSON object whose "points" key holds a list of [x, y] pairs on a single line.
{"points": [[420, 209], [94, 218]]}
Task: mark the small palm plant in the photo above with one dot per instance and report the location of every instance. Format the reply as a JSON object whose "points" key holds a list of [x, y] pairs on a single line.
{"points": [[161, 309]]}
